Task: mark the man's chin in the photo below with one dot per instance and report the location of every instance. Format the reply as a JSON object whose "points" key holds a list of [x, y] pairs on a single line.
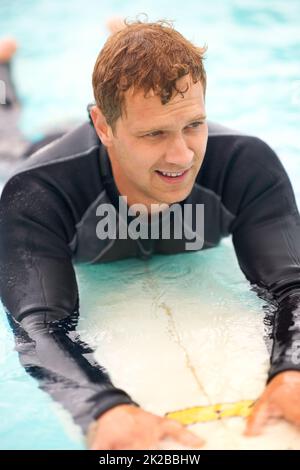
{"points": [[176, 198]]}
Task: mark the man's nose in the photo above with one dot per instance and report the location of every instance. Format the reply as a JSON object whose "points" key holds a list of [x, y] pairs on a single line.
{"points": [[179, 153]]}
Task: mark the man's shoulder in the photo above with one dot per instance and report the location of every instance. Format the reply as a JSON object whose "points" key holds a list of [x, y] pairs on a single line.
{"points": [[230, 151], [65, 170], [230, 139], [216, 129], [237, 167], [72, 146]]}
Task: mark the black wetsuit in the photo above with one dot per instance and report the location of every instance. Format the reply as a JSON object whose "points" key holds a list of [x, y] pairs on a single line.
{"points": [[48, 221]]}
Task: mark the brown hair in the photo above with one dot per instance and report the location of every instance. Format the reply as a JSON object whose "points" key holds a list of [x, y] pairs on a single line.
{"points": [[144, 56]]}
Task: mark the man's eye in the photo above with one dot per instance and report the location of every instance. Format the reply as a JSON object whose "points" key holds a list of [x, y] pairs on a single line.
{"points": [[196, 124], [193, 125], [153, 134]]}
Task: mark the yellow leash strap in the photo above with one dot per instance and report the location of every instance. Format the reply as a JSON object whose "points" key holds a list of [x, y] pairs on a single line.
{"points": [[202, 414]]}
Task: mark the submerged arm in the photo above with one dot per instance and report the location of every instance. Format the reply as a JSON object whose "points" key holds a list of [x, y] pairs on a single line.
{"points": [[39, 291]]}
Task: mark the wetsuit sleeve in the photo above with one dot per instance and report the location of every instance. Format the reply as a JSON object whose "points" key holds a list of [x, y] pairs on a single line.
{"points": [[39, 291], [266, 237]]}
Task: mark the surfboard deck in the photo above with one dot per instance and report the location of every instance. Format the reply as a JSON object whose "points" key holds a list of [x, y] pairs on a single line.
{"points": [[184, 336]]}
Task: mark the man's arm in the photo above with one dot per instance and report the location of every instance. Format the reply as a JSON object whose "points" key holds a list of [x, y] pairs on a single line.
{"points": [[38, 288], [266, 236]]}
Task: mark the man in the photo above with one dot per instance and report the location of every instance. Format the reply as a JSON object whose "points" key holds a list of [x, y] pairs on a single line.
{"points": [[14, 146], [149, 142]]}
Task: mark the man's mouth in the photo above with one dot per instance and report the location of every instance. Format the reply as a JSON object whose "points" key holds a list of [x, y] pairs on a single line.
{"points": [[172, 176]]}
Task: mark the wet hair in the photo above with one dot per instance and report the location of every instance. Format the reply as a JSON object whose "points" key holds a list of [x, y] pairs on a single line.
{"points": [[144, 56]]}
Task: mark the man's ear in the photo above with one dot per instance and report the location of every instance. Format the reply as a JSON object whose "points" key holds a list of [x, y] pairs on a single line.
{"points": [[103, 129]]}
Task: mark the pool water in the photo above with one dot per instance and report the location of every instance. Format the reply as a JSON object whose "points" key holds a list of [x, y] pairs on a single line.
{"points": [[253, 67]]}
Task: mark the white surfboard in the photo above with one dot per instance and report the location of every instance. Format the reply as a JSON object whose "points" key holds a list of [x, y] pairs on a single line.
{"points": [[184, 336]]}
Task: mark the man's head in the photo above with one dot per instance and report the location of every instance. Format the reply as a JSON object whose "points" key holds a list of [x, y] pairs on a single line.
{"points": [[149, 85]]}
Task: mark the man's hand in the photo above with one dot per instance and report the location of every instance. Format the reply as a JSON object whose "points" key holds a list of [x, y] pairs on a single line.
{"points": [[281, 399], [130, 427]]}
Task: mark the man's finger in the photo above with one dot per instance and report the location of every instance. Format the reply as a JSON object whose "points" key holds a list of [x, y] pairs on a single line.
{"points": [[179, 433], [257, 419], [99, 444]]}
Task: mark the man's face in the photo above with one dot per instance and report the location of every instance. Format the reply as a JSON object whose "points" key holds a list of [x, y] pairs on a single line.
{"points": [[156, 150]]}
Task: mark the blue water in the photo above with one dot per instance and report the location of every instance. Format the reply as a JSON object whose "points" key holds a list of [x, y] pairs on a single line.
{"points": [[253, 67]]}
